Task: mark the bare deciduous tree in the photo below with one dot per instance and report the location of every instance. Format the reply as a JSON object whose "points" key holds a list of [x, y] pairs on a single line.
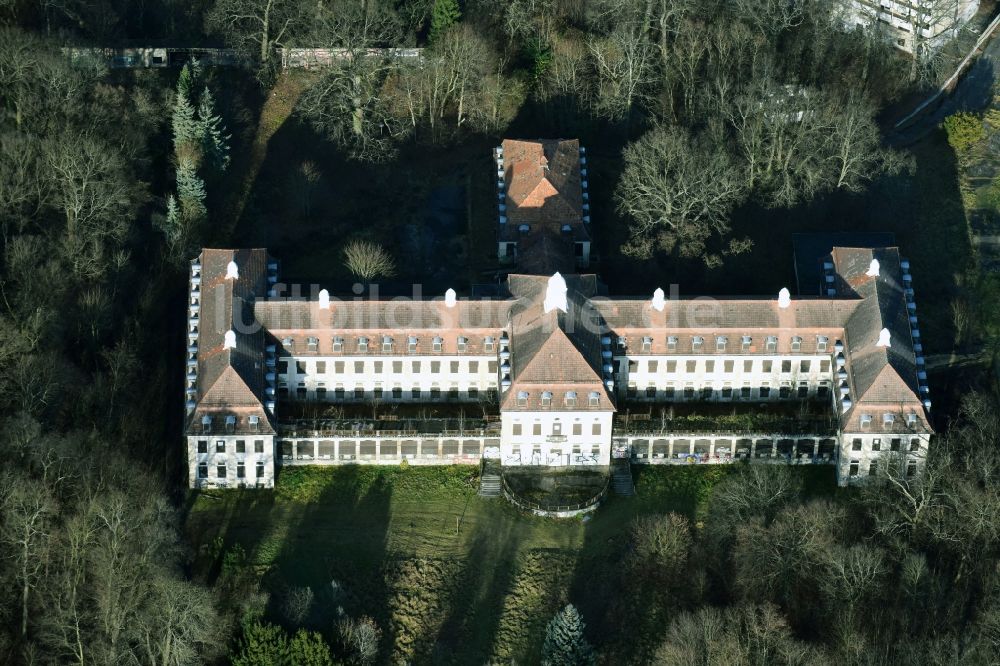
{"points": [[367, 260]]}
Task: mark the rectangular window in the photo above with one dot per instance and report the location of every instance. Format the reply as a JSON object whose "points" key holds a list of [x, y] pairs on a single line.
{"points": [[894, 444], [803, 366], [359, 392], [260, 469], [338, 344], [651, 366], [241, 446], [338, 367], [765, 391], [824, 365], [876, 445], [727, 391], [397, 367], [720, 343], [258, 446], [727, 366], [577, 428], [767, 366], [691, 366], [320, 367], [359, 367], [474, 367], [856, 445], [491, 367], [745, 392], [454, 367], [873, 468], [650, 391], [516, 429], [437, 342], [914, 445], [772, 343], [709, 367], [745, 342], [241, 470], [669, 392], [415, 367], [707, 392], [411, 344], [796, 344], [378, 367], [696, 343], [220, 471], [362, 344], [596, 429], [488, 344], [473, 393], [855, 465], [536, 428], [633, 366], [463, 345], [672, 343], [689, 392], [415, 392], [202, 446], [748, 365], [386, 344], [397, 392], [671, 367], [821, 342], [312, 343], [647, 344], [202, 470], [803, 390], [300, 367], [786, 366], [220, 446]]}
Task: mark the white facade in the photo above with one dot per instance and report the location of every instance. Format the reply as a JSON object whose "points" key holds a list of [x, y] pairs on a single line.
{"points": [[914, 24], [556, 438], [231, 461]]}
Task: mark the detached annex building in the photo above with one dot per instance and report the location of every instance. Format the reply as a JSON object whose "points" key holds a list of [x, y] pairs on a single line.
{"points": [[554, 365]]}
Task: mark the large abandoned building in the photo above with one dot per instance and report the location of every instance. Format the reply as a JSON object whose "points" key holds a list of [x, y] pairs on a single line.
{"points": [[913, 25], [554, 372]]}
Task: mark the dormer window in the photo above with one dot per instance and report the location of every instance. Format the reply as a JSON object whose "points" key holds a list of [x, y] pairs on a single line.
{"points": [[489, 344], [386, 343], [313, 344], [866, 420], [463, 345], [522, 398], [288, 343], [230, 424], [911, 419], [888, 419], [772, 343], [745, 342], [254, 422], [595, 399], [362, 344], [720, 343], [437, 344], [796, 344], [411, 344], [571, 398], [622, 342], [206, 424], [647, 344], [821, 343], [672, 343], [697, 342], [338, 344], [546, 398]]}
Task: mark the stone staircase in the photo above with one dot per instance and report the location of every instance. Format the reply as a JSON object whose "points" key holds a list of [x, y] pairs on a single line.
{"points": [[489, 480], [621, 478]]}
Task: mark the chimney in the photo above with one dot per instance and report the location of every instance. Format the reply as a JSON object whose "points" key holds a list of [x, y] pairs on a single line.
{"points": [[659, 300]]}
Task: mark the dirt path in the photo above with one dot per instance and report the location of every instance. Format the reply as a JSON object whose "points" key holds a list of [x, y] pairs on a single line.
{"points": [[277, 108]]}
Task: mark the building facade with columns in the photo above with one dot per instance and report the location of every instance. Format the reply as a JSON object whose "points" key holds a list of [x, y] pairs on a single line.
{"points": [[554, 372]]}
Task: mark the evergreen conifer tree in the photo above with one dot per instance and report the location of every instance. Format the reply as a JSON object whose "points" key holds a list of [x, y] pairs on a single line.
{"points": [[565, 644], [214, 140], [187, 131], [444, 14], [191, 193]]}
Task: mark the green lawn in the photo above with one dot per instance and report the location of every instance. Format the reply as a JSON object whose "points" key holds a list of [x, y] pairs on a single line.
{"points": [[451, 577]]}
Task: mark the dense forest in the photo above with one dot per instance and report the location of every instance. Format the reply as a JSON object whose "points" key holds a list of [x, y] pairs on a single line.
{"points": [[111, 179]]}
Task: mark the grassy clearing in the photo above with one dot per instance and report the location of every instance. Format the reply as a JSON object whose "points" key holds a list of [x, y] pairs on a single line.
{"points": [[453, 578]]}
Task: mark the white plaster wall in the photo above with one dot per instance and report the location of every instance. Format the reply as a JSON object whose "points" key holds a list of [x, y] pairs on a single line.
{"points": [[552, 432], [861, 448], [718, 378], [390, 372], [230, 458]]}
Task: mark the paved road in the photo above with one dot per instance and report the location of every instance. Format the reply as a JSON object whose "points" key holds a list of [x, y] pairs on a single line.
{"points": [[973, 92]]}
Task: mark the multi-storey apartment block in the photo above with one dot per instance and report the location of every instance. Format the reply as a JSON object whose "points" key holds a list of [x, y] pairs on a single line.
{"points": [[914, 25], [554, 365]]}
